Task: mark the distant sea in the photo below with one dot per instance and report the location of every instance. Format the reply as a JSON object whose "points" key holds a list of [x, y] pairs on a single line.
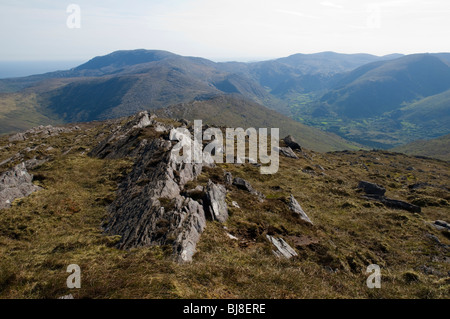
{"points": [[10, 69]]}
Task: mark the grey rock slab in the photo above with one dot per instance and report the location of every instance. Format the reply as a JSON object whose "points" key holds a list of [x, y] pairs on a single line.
{"points": [[295, 207], [283, 249], [15, 183], [216, 201]]}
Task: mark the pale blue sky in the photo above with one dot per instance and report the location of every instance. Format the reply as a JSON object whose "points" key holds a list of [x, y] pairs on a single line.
{"points": [[223, 29]]}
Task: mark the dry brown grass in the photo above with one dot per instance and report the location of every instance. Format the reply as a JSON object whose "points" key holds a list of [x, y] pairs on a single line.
{"points": [[60, 225]]}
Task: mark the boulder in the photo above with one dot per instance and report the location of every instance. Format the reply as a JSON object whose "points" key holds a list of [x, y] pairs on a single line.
{"points": [[295, 207], [143, 120], [290, 142], [215, 202], [372, 188]]}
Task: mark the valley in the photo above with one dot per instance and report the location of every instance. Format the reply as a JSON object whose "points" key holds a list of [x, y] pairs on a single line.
{"points": [[369, 101]]}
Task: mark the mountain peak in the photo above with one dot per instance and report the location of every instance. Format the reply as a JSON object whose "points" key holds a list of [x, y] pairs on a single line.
{"points": [[124, 58]]}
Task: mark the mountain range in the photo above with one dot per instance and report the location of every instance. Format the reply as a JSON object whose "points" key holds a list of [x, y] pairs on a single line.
{"points": [[366, 100], [100, 189]]}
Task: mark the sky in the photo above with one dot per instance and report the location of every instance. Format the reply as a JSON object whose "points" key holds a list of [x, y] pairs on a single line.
{"points": [[220, 30]]}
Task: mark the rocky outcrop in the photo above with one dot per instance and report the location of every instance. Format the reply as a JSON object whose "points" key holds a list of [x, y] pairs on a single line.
{"points": [[295, 207], [215, 203], [42, 132], [150, 208], [283, 249], [144, 120], [124, 140], [15, 183], [290, 142]]}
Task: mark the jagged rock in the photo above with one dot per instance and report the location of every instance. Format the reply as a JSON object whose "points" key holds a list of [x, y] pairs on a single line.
{"points": [[372, 188], [441, 225], [149, 208], [17, 137], [244, 185], [286, 152], [190, 228], [283, 249], [67, 297], [144, 120], [290, 141], [215, 204], [15, 183], [124, 140], [41, 132], [295, 207]]}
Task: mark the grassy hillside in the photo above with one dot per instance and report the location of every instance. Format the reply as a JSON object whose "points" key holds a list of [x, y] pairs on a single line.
{"points": [[21, 111], [431, 114], [384, 86], [237, 112], [436, 148], [60, 225]]}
